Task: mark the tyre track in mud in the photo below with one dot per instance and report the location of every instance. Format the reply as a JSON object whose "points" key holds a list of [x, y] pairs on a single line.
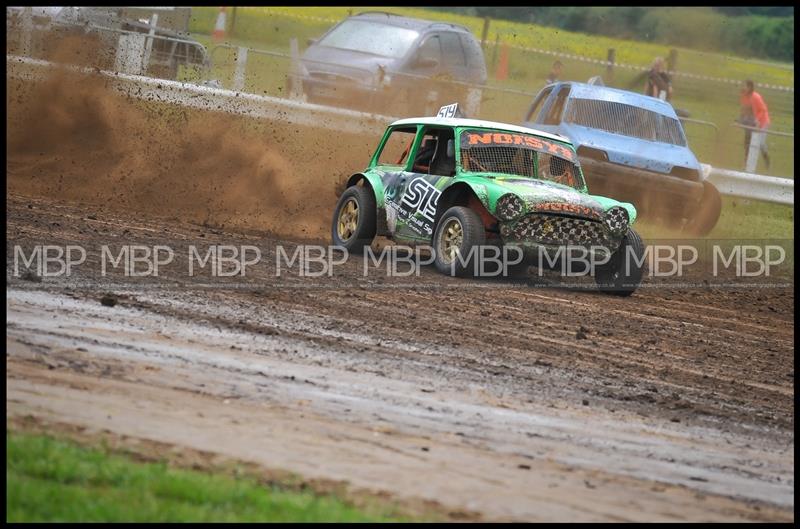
{"points": [[498, 363]]}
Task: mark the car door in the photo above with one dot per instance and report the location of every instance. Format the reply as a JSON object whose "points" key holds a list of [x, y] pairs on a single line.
{"points": [[412, 195]]}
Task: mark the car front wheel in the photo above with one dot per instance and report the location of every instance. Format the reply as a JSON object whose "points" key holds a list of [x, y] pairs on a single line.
{"points": [[622, 274], [458, 237]]}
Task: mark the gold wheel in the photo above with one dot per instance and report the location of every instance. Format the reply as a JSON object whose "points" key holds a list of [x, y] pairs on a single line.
{"points": [[451, 239], [348, 219]]}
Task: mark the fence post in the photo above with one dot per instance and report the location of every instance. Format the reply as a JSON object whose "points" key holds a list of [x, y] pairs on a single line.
{"points": [[233, 22], [296, 91], [756, 138], [612, 53], [494, 53], [485, 34], [27, 30], [241, 66], [148, 47]]}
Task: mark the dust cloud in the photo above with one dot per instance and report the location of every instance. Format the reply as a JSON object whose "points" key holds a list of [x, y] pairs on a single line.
{"points": [[73, 137]]}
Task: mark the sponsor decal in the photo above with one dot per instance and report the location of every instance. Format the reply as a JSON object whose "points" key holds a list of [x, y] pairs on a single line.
{"points": [[561, 207], [417, 207], [472, 138], [421, 197]]}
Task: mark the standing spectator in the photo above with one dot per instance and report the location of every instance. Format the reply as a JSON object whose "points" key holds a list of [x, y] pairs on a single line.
{"points": [[555, 73], [754, 113], [658, 83]]}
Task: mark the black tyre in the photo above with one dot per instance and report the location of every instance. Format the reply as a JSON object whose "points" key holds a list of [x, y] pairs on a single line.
{"points": [[623, 273], [460, 231], [354, 219], [707, 215]]}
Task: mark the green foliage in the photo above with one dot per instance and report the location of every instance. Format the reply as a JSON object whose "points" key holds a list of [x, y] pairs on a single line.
{"points": [[53, 480], [766, 32]]}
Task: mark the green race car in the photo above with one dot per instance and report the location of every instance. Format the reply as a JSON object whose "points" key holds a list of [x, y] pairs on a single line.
{"points": [[459, 184]]}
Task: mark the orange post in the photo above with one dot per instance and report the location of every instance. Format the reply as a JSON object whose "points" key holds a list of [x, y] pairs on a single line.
{"points": [[502, 66]]}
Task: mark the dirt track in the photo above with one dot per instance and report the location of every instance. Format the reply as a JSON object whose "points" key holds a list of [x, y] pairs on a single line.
{"points": [[508, 399], [675, 405]]}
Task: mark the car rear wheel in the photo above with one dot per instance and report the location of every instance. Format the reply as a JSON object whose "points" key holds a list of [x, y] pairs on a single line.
{"points": [[458, 237], [354, 219], [623, 273]]}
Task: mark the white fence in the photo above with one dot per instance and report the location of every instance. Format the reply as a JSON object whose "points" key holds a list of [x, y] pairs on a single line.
{"points": [[732, 183]]}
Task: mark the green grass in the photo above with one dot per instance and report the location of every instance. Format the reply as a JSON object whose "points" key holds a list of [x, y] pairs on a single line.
{"points": [[740, 220], [751, 219], [272, 28], [55, 480]]}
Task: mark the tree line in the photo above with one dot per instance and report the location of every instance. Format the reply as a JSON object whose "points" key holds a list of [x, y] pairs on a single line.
{"points": [[762, 32]]}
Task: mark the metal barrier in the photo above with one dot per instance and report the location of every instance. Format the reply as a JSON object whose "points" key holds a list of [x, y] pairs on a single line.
{"points": [[733, 183], [751, 186]]}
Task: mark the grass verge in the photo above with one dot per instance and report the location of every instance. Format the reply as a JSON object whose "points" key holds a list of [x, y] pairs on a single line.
{"points": [[50, 479]]}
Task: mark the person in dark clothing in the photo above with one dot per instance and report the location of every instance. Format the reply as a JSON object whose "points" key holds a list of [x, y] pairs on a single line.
{"points": [[659, 83]]}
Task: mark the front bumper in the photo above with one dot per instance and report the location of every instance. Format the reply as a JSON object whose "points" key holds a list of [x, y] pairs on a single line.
{"points": [[535, 233]]}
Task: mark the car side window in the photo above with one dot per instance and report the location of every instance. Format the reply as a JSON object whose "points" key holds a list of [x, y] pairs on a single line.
{"points": [[397, 146], [425, 152], [556, 109], [429, 55], [443, 161], [537, 103]]}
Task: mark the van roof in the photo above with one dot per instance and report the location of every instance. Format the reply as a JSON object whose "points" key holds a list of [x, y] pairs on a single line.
{"points": [[407, 22]]}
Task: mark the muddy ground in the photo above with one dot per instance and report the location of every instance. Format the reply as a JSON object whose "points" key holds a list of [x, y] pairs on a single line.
{"points": [[506, 400]]}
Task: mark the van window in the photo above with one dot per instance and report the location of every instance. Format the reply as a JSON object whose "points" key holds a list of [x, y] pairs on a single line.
{"points": [[452, 51], [370, 37], [476, 64], [431, 49]]}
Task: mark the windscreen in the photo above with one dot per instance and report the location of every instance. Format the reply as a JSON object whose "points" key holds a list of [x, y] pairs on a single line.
{"points": [[517, 154], [626, 120], [370, 37]]}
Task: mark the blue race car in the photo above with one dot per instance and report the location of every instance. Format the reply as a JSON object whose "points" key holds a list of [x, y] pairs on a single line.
{"points": [[632, 148]]}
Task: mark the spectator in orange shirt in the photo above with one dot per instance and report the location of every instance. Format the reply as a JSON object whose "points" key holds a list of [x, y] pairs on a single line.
{"points": [[754, 113]]}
